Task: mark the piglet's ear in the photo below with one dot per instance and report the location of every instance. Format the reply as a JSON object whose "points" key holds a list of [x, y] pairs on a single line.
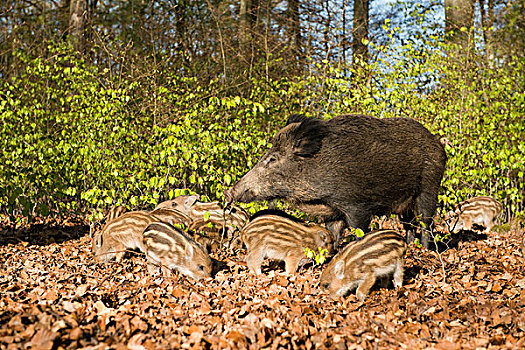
{"points": [[323, 235], [190, 201], [189, 251], [309, 137]]}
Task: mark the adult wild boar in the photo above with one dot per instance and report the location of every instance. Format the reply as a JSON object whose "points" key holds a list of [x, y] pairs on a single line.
{"points": [[350, 168]]}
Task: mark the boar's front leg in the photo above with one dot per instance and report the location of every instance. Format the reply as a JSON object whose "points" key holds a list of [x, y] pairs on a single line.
{"points": [[358, 218], [410, 224], [426, 205]]}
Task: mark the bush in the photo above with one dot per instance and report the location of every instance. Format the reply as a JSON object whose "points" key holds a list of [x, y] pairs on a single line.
{"points": [[77, 138]]}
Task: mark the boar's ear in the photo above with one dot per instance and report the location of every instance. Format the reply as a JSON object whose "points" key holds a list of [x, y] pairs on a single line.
{"points": [[309, 137], [295, 118], [339, 270]]}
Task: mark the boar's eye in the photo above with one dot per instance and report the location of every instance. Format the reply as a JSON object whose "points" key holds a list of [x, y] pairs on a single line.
{"points": [[201, 267], [271, 159], [325, 285]]}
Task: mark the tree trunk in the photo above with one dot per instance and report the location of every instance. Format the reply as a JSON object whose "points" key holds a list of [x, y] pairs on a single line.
{"points": [[360, 30], [77, 24], [459, 19], [294, 27], [244, 25], [489, 37], [180, 27], [486, 23], [63, 18]]}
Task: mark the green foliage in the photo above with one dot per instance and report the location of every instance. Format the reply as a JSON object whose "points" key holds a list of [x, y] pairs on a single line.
{"points": [[417, 243], [58, 120], [355, 233], [71, 141], [76, 138], [319, 257]]}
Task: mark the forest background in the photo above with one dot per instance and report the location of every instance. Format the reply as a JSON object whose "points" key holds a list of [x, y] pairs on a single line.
{"points": [[109, 102]]}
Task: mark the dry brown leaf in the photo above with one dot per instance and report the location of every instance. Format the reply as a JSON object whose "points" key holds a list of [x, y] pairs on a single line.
{"points": [[57, 294]]}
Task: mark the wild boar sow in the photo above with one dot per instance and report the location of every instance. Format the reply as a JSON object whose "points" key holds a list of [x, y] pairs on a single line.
{"points": [[350, 168]]}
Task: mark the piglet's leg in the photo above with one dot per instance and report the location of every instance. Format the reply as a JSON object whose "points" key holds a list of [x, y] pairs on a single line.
{"points": [[120, 252], [364, 287], [153, 264], [467, 223], [398, 274], [489, 225], [254, 260], [292, 263]]}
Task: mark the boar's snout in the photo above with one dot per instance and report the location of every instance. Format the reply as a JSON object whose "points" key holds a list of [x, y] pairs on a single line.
{"points": [[237, 194]]}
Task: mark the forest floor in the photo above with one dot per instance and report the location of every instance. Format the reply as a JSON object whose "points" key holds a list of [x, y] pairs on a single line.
{"points": [[53, 295]]}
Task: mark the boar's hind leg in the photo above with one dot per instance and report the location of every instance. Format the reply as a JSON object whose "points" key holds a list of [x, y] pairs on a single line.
{"points": [[426, 205]]}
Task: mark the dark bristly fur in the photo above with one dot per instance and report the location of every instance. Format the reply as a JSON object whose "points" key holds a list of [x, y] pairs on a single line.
{"points": [[349, 169]]}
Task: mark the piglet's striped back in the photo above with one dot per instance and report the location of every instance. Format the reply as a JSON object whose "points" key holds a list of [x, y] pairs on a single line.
{"points": [[168, 248], [374, 248]]}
